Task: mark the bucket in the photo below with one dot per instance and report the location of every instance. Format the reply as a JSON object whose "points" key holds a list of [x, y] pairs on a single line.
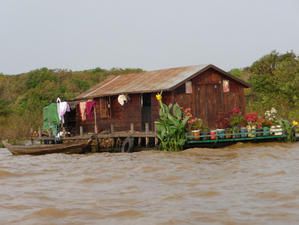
{"points": [[220, 133], [196, 134], [213, 134]]}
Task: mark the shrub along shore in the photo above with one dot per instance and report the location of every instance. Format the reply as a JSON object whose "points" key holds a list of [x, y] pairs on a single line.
{"points": [[274, 79]]}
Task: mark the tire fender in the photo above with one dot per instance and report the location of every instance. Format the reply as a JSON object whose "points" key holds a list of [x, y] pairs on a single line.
{"points": [[127, 145]]}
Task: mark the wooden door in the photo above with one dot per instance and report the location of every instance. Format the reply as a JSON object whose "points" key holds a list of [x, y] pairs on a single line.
{"points": [[209, 104], [146, 111]]}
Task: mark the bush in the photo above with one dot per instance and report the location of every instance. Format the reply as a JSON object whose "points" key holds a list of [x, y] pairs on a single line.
{"points": [[171, 127]]}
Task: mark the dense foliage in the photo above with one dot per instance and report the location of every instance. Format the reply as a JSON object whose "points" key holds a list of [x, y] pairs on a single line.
{"points": [[22, 97], [171, 127], [274, 79], [275, 83]]}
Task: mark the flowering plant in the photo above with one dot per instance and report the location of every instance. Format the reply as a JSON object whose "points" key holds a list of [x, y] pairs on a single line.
{"points": [[266, 123], [236, 117], [271, 114], [159, 97], [193, 122], [251, 118], [236, 111], [295, 123], [223, 122]]}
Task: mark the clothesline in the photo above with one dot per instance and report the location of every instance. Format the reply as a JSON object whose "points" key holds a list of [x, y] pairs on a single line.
{"points": [[54, 113]]}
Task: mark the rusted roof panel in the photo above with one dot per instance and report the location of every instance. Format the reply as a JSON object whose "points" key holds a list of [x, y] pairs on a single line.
{"points": [[144, 82]]}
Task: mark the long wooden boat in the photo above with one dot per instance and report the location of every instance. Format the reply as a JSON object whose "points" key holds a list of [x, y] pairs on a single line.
{"points": [[40, 149]]}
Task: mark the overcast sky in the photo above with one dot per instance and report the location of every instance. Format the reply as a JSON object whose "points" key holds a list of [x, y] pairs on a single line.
{"points": [[153, 34]]}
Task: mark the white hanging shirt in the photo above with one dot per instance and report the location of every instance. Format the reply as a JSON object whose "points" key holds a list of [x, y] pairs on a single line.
{"points": [[62, 108]]}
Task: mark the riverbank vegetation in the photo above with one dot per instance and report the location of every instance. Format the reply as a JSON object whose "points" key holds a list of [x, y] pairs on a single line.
{"points": [[22, 97], [274, 79]]}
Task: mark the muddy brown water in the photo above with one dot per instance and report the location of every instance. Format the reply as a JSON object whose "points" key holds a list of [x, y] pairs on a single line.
{"points": [[241, 184]]}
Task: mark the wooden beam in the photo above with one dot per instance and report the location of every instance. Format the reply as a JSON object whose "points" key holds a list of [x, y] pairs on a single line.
{"points": [[156, 137], [81, 131], [95, 120], [146, 132], [132, 127], [111, 128]]}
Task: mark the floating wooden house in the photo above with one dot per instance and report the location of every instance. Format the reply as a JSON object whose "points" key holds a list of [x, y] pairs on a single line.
{"points": [[209, 91]]}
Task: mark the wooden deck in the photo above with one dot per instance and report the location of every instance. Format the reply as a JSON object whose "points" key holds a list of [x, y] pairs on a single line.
{"points": [[113, 140], [149, 138], [240, 139], [206, 140]]}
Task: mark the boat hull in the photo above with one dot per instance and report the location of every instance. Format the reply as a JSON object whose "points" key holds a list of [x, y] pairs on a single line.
{"points": [[68, 148]]}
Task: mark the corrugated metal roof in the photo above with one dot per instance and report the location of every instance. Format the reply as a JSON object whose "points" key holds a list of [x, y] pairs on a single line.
{"points": [[144, 82]]}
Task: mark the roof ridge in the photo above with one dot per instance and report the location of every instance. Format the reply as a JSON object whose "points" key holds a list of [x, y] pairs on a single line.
{"points": [[152, 81], [170, 68]]}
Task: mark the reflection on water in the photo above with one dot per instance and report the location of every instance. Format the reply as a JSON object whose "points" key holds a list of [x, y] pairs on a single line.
{"points": [[241, 184]]}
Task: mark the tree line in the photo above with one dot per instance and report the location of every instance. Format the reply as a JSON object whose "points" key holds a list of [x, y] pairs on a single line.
{"points": [[23, 96], [274, 80]]}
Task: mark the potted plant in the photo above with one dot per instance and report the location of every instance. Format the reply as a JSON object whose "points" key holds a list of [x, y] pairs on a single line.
{"points": [[236, 119], [213, 134], [205, 133], [243, 131], [195, 128], [236, 132], [266, 124], [220, 133], [228, 133], [251, 119], [259, 127]]}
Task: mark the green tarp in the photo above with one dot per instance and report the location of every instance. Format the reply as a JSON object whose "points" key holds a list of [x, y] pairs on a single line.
{"points": [[51, 119]]}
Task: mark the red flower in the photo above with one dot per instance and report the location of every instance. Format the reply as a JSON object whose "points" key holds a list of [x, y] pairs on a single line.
{"points": [[235, 111], [251, 117]]}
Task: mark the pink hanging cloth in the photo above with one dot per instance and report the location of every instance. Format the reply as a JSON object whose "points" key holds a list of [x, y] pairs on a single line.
{"points": [[82, 107], [89, 109]]}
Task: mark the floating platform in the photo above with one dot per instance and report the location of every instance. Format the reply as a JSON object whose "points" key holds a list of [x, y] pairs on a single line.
{"points": [[218, 141]]}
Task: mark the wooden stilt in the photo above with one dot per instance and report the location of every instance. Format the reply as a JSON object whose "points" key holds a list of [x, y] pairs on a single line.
{"points": [[95, 120], [132, 127], [39, 132], [156, 138], [113, 143], [146, 132], [81, 131], [111, 128]]}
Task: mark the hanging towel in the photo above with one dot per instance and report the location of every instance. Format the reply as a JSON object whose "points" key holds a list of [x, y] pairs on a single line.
{"points": [[82, 107], [89, 109], [51, 118], [62, 108]]}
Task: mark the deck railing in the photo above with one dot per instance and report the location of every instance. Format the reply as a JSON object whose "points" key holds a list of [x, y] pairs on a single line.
{"points": [[218, 137]]}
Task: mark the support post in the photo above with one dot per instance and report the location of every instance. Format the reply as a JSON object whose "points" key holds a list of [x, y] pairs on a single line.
{"points": [[146, 132], [95, 120], [113, 143], [39, 132], [81, 131], [31, 135], [156, 137], [40, 135], [111, 128], [146, 127], [132, 127]]}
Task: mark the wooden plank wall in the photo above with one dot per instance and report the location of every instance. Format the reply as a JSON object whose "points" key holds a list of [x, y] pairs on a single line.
{"points": [[207, 101], [121, 116], [210, 102]]}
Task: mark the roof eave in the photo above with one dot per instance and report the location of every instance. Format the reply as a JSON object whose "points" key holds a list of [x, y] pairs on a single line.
{"points": [[243, 83]]}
